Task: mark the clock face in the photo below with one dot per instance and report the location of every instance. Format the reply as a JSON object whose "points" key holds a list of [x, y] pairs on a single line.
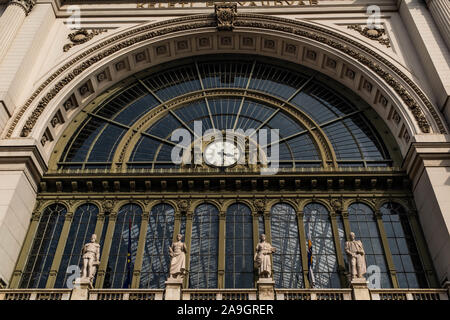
{"points": [[221, 154]]}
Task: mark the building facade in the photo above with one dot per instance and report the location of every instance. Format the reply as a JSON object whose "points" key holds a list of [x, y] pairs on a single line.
{"points": [[302, 120]]}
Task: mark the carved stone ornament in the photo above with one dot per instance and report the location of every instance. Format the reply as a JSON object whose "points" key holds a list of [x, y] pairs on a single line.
{"points": [[225, 14], [183, 205], [377, 34], [107, 205], [260, 204], [81, 36], [336, 204], [26, 5]]}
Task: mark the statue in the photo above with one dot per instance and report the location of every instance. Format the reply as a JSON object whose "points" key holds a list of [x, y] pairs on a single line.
{"points": [[356, 257], [177, 252], [262, 257], [91, 256]]}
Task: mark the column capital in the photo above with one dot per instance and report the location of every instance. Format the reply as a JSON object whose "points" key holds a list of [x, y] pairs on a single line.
{"points": [[26, 5]]}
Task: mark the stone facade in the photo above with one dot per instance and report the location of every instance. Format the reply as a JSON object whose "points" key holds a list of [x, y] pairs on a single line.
{"points": [[44, 85]]}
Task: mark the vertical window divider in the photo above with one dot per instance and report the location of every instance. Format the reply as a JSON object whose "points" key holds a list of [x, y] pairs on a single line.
{"points": [[337, 246], [221, 262], [187, 242], [105, 251], [268, 233], [60, 248], [255, 218], [387, 250], [304, 255], [140, 249]]}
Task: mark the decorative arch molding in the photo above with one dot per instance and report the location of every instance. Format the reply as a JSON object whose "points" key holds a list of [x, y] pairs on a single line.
{"points": [[396, 98]]}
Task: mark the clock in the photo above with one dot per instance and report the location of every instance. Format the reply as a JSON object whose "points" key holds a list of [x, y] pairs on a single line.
{"points": [[221, 154]]}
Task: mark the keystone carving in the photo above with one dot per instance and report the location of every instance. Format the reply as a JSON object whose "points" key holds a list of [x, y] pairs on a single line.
{"points": [[225, 15]]}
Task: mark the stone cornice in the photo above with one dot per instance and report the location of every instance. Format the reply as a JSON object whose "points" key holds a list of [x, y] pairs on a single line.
{"points": [[426, 154], [370, 59], [23, 158]]}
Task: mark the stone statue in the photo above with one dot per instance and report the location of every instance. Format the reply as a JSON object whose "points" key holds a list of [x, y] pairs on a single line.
{"points": [[177, 252], [262, 260], [91, 259], [356, 257]]}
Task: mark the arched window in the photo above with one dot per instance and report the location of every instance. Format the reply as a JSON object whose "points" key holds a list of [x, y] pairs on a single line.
{"points": [[44, 246], [81, 229], [126, 232], [204, 247], [318, 229], [407, 263], [156, 259], [363, 224], [239, 247], [287, 264]]}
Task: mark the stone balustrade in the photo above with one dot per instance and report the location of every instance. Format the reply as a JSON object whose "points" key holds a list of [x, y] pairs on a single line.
{"points": [[224, 294]]}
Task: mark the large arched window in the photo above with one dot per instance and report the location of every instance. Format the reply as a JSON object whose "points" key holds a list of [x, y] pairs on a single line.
{"points": [[318, 229], [43, 250], [217, 99], [407, 263], [363, 224], [126, 234], [239, 247], [156, 259], [81, 229], [287, 264], [204, 247]]}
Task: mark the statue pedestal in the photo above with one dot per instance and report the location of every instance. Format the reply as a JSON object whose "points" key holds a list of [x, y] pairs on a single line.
{"points": [[81, 289], [173, 289], [360, 289], [266, 289]]}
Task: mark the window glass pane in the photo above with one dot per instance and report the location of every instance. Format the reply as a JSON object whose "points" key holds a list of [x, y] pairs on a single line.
{"points": [[239, 247], [204, 247], [287, 267], [318, 229], [363, 224], [410, 273], [43, 249], [354, 140], [156, 259], [81, 230], [125, 240]]}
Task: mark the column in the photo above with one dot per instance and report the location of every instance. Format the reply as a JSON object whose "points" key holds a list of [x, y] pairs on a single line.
{"points": [[304, 254], [187, 241], [20, 171], [11, 20], [140, 251], [337, 243], [221, 262], [428, 165], [105, 251], [440, 10]]}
